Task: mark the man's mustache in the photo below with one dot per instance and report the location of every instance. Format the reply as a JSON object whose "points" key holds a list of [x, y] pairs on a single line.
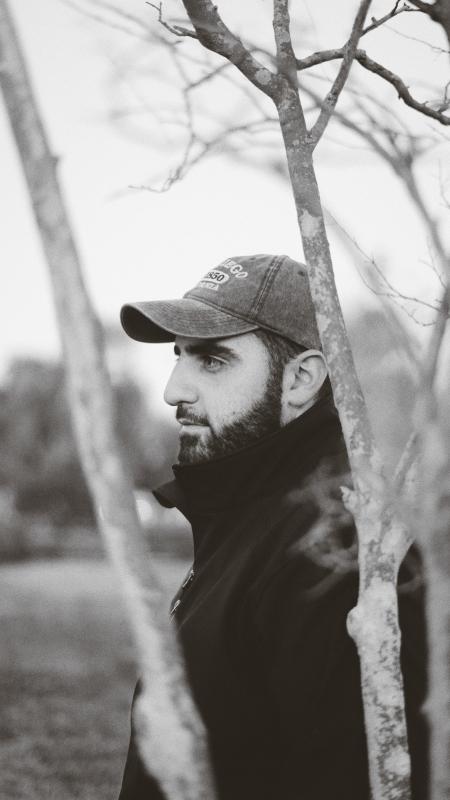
{"points": [[183, 412]]}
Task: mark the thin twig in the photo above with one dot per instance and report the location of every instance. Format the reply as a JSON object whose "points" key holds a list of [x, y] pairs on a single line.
{"points": [[187, 163], [376, 23], [391, 292], [209, 76], [177, 30], [433, 47]]}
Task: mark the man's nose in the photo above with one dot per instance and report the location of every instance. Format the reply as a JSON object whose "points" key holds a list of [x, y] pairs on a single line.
{"points": [[180, 388]]}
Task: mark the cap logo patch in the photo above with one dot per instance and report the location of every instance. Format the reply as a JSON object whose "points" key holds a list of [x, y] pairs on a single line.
{"points": [[214, 279], [217, 277]]}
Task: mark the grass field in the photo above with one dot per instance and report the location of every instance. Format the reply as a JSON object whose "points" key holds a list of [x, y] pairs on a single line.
{"points": [[66, 679]]}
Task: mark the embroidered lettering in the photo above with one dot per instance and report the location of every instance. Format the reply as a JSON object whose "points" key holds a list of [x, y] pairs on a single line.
{"points": [[235, 268], [217, 276]]}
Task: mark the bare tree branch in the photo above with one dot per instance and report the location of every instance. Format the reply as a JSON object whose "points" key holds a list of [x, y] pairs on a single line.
{"points": [[215, 36], [332, 97], [286, 62], [402, 89], [378, 69]]}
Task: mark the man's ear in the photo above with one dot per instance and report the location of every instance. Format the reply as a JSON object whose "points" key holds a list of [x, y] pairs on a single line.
{"points": [[302, 379]]}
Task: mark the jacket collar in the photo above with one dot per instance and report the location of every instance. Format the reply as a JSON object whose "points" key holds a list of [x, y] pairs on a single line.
{"points": [[280, 460]]}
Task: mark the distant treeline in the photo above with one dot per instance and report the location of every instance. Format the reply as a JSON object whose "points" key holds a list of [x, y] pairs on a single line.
{"points": [[43, 494]]}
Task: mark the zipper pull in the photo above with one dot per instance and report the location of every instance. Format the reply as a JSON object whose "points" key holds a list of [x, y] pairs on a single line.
{"points": [[188, 579], [174, 607], [186, 583]]}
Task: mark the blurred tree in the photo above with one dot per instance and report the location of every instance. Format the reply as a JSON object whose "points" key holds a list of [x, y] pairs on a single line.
{"points": [[165, 707], [39, 459]]}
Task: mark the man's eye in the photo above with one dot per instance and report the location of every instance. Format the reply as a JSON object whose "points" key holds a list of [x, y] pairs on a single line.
{"points": [[211, 363]]}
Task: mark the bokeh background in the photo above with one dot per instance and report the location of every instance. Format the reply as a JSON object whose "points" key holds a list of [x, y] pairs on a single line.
{"points": [[111, 102]]}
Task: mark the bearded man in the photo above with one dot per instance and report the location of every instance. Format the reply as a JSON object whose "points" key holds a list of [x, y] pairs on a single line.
{"points": [[262, 613]]}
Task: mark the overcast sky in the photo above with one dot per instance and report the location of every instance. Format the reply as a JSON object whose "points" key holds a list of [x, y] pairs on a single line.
{"points": [[141, 245]]}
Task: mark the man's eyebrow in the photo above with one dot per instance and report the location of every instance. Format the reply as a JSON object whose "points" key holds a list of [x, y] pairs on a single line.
{"points": [[210, 347]]}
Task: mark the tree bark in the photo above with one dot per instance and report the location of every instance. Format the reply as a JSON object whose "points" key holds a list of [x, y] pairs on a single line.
{"points": [[166, 714]]}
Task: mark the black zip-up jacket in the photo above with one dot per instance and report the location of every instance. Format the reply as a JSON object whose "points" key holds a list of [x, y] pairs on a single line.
{"points": [[262, 622]]}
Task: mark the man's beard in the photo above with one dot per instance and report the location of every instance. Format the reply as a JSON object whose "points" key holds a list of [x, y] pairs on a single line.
{"points": [[262, 419]]}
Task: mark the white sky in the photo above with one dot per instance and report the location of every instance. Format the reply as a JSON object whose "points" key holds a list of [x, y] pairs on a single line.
{"points": [[140, 245]]}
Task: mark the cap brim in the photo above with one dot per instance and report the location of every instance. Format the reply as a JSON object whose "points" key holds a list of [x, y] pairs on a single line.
{"points": [[162, 320]]}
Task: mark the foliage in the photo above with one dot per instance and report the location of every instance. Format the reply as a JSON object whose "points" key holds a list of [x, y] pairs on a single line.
{"points": [[40, 472]]}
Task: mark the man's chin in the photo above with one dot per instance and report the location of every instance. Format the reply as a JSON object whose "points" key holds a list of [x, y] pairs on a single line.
{"points": [[194, 445]]}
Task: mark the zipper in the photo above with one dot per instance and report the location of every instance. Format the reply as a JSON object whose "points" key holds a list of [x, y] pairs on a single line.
{"points": [[182, 590]]}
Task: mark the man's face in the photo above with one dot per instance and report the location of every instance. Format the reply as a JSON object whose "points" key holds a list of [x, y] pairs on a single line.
{"points": [[224, 395]]}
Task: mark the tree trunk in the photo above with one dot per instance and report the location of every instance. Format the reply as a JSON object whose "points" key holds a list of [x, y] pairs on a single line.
{"points": [[166, 713], [373, 624], [382, 538], [433, 527]]}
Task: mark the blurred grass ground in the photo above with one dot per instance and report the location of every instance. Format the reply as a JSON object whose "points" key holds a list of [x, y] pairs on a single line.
{"points": [[67, 675]]}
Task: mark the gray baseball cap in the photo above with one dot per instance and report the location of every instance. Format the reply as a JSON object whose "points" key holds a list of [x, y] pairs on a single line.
{"points": [[242, 294]]}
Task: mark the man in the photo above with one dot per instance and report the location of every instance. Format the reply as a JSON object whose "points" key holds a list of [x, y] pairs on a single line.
{"points": [[262, 614]]}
